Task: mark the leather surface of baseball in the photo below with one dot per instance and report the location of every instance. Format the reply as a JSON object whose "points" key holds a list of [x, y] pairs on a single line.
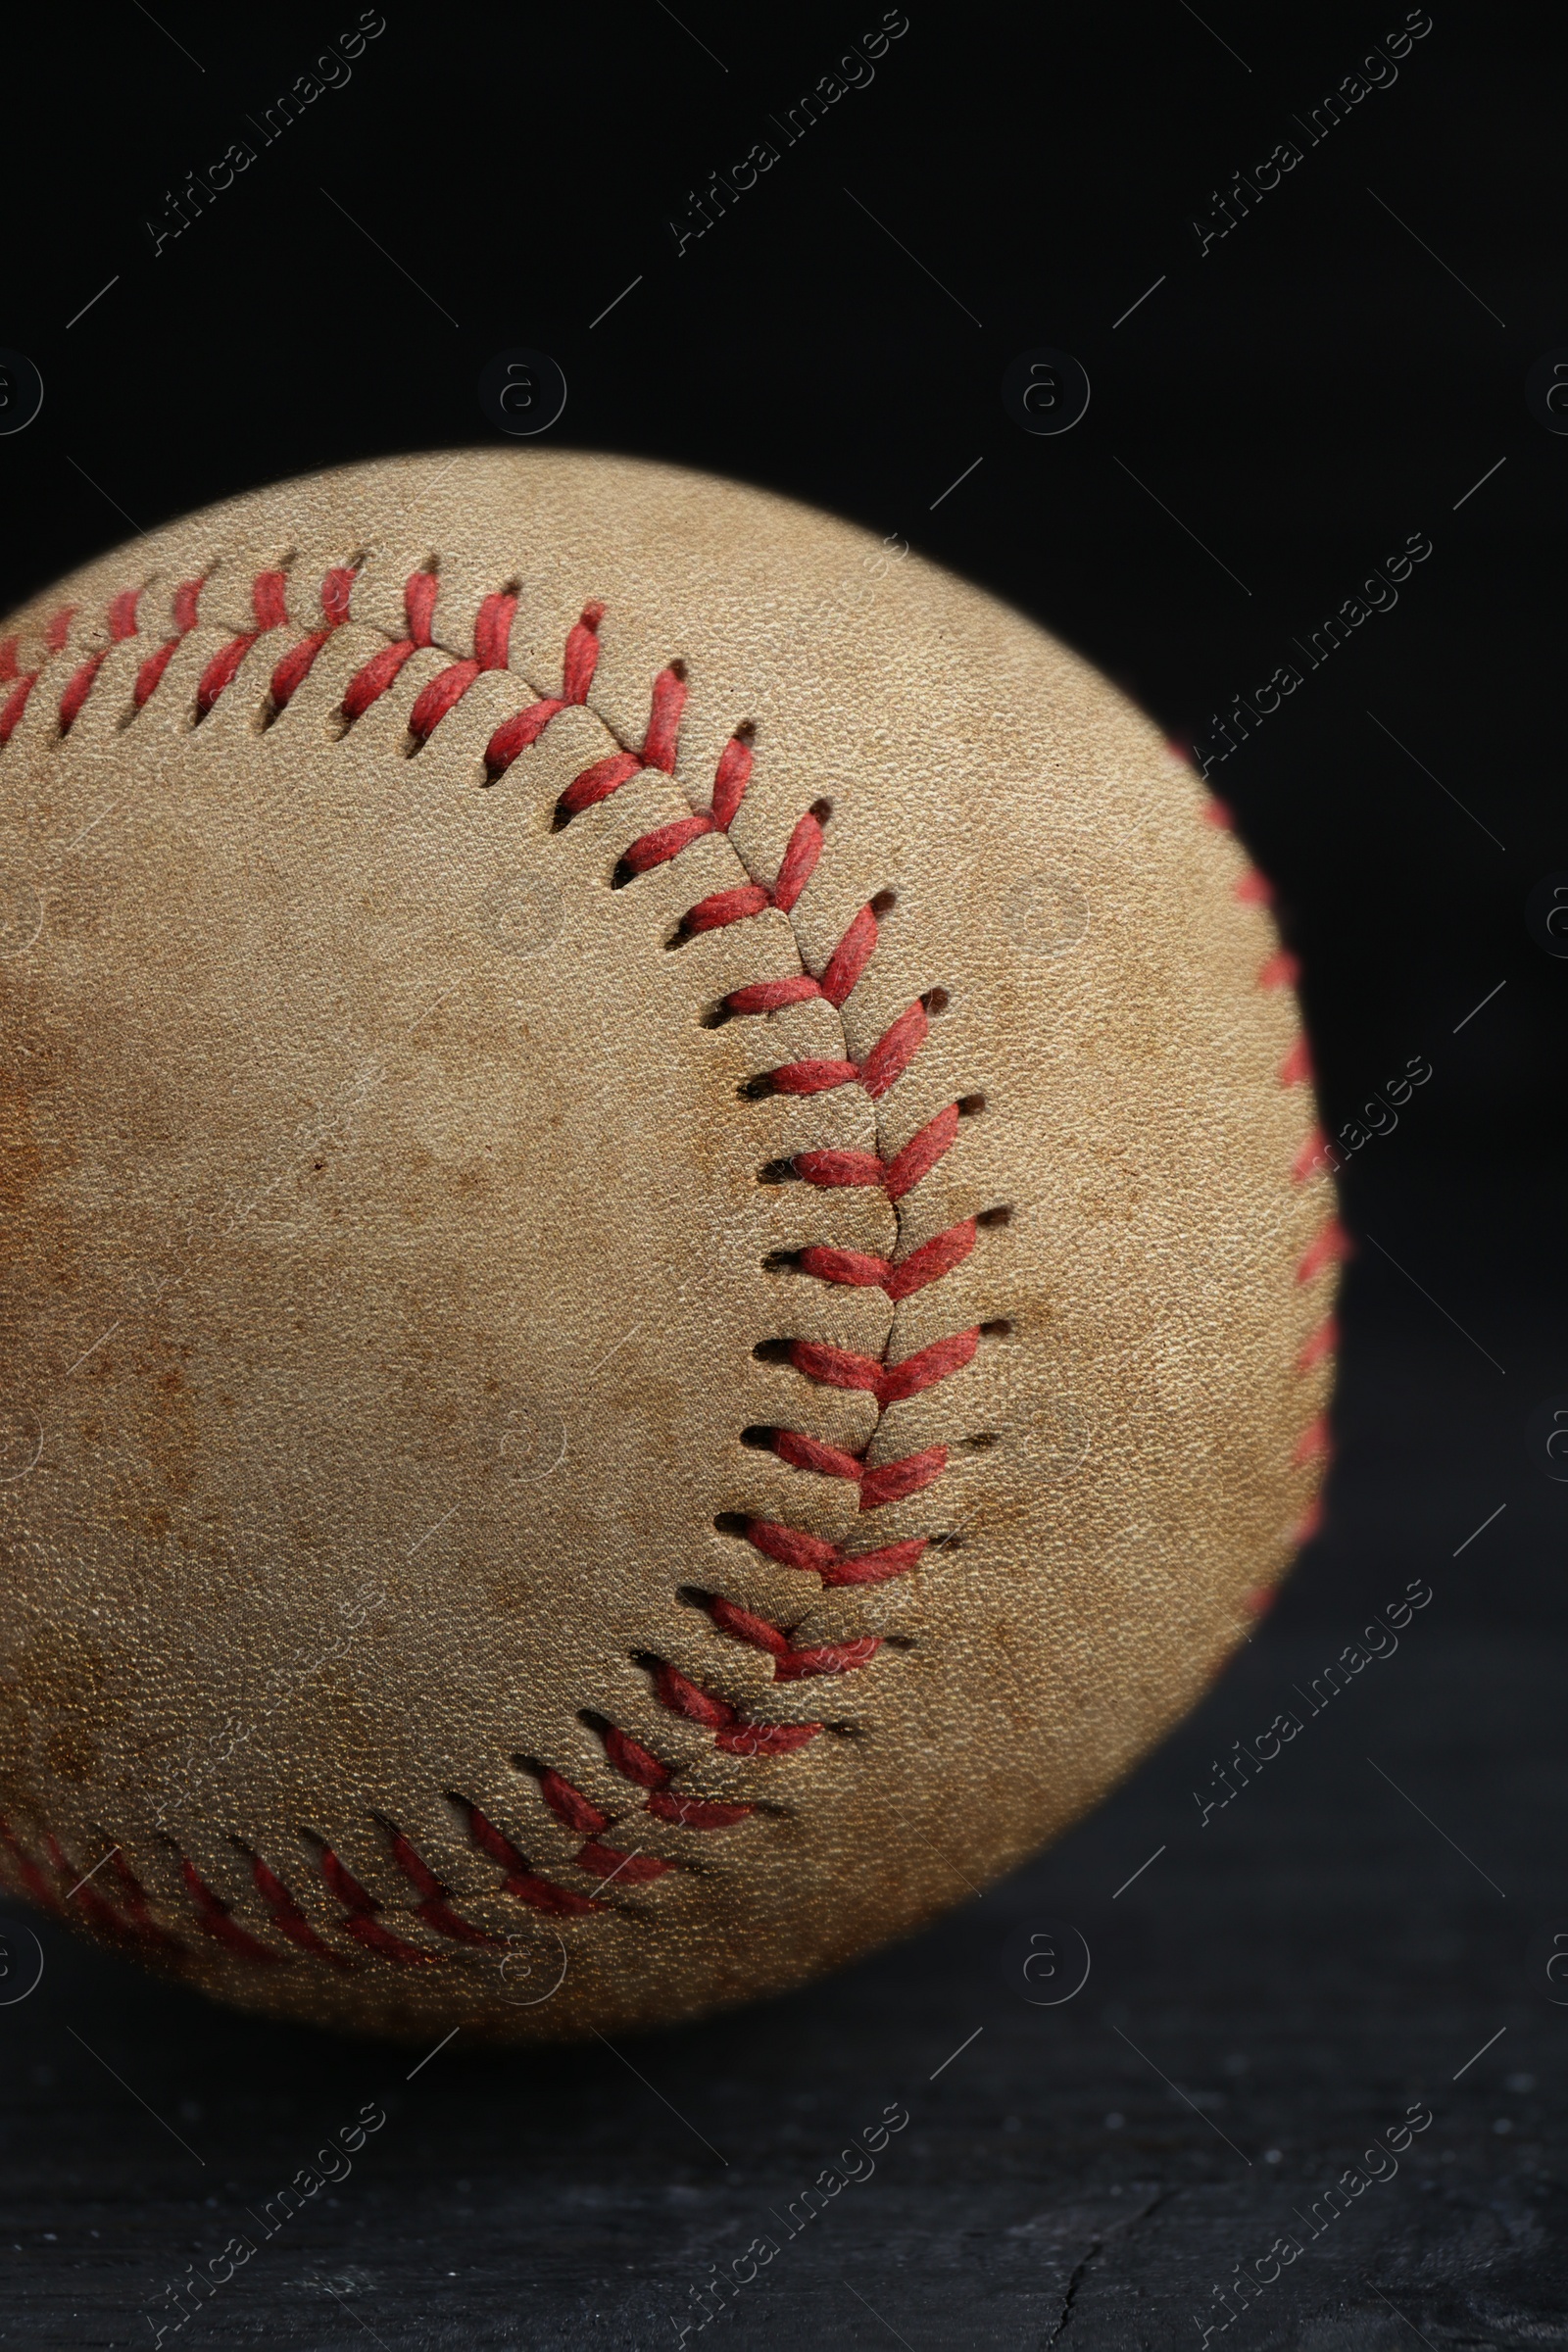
{"points": [[665, 1285]]}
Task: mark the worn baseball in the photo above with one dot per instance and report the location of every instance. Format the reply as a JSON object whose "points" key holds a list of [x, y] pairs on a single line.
{"points": [[667, 1270]]}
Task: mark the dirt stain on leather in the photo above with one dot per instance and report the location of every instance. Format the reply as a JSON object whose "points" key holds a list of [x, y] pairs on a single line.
{"points": [[58, 1695], [33, 1150]]}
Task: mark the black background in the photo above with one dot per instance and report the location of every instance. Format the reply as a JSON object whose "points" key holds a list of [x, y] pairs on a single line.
{"points": [[1279, 415]]}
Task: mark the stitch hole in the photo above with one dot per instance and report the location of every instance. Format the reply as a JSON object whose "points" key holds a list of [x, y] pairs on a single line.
{"points": [[695, 1597], [312, 1845], [755, 1090], [997, 1329], [884, 903], [947, 1542], [649, 1661], [731, 1523], [779, 1171], [970, 1107], [714, 1016], [782, 1261], [936, 999], [982, 1443], [759, 1436], [772, 1351], [1002, 1215], [821, 810]]}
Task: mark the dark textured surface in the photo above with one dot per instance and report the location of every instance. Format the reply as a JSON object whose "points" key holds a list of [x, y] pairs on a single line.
{"points": [[1290, 1976], [1272, 420], [1303, 1970], [1294, 1975]]}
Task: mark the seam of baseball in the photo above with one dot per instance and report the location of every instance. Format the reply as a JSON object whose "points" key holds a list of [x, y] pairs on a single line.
{"points": [[834, 1367]]}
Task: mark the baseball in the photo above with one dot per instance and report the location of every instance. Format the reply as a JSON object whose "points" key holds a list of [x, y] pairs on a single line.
{"points": [[667, 1270]]}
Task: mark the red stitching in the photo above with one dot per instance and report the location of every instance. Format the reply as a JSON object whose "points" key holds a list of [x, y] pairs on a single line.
{"points": [[56, 632], [637, 1764], [16, 700], [1297, 1067], [126, 1920], [733, 1732], [360, 1907], [492, 638], [434, 1905], [896, 1176], [1313, 1445], [789, 1663], [287, 1917], [121, 624], [116, 1903], [877, 1073], [214, 1915], [1323, 1343], [1328, 1248], [569, 1805], [514, 734], [150, 675], [1311, 1154], [295, 667], [1332, 1244], [611, 1862], [928, 1263], [578, 1813], [798, 1549], [540, 1895]]}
